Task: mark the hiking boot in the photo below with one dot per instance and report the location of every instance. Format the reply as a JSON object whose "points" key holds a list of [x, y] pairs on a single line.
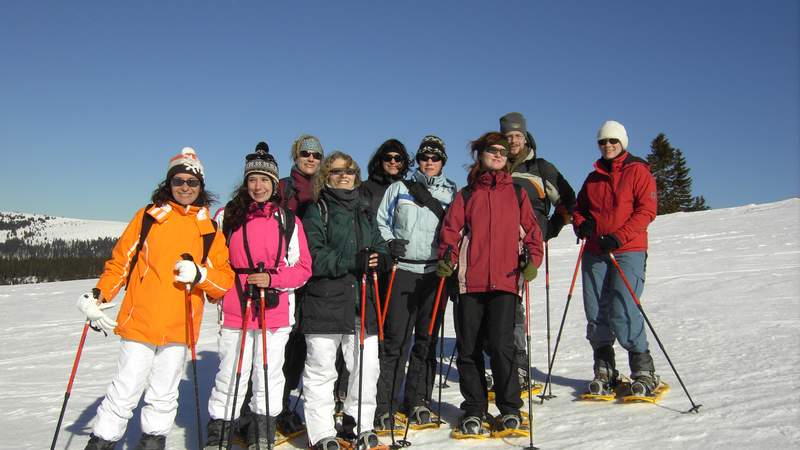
{"points": [[420, 415], [216, 428], [367, 440], [290, 423], [152, 442], [347, 430], [96, 443], [643, 374], [328, 443], [261, 432], [606, 376], [510, 421], [471, 425], [489, 381], [383, 423]]}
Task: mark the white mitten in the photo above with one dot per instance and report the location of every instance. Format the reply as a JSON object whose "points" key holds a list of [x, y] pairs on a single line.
{"points": [[87, 304], [189, 272]]}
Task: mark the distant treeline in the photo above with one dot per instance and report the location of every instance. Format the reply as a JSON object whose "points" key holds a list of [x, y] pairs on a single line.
{"points": [[56, 261]]}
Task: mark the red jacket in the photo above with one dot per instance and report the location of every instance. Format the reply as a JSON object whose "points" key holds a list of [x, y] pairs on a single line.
{"points": [[487, 234], [623, 203]]}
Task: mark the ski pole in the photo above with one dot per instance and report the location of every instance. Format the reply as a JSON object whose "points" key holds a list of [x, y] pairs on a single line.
{"points": [[438, 294], [441, 366], [69, 384], [376, 291], [547, 303], [695, 408], [449, 366], [361, 350], [263, 317], [245, 317], [190, 325], [389, 292], [528, 342], [563, 319]]}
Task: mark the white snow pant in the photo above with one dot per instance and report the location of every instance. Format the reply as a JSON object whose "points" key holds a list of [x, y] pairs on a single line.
{"points": [[221, 401], [140, 366], [319, 377]]}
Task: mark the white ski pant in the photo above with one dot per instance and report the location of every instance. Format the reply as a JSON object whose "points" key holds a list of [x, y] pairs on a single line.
{"points": [[221, 401], [158, 369], [320, 375]]}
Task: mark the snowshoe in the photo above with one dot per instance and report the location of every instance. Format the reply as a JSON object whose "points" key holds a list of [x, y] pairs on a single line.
{"points": [[331, 443], [422, 418], [511, 425], [645, 387], [472, 427], [605, 386], [289, 425], [96, 443], [383, 423], [152, 442]]}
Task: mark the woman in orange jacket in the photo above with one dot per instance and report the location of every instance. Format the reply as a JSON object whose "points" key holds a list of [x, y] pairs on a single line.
{"points": [[153, 321]]}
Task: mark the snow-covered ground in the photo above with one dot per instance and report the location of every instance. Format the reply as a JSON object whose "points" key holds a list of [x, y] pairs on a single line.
{"points": [[44, 229], [723, 292]]}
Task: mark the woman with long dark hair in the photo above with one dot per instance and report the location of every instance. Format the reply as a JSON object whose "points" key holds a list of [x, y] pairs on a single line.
{"points": [[148, 261], [484, 232], [261, 235]]}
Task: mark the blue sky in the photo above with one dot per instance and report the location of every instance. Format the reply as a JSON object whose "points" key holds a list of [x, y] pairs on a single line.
{"points": [[96, 96]]}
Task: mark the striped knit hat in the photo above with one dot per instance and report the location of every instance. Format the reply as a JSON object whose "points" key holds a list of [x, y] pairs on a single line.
{"points": [[186, 162]]}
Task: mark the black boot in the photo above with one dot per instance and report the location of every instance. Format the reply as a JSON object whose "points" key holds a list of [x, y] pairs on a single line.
{"points": [[219, 431], [96, 443], [348, 428], [606, 376], [643, 374], [152, 442], [261, 432], [290, 423]]}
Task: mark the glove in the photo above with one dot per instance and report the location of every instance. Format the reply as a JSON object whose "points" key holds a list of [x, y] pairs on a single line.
{"points": [[87, 304], [362, 261], [189, 272], [529, 272], [586, 229], [397, 248], [608, 243], [443, 269]]}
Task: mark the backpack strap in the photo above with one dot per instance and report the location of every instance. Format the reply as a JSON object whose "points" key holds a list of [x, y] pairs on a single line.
{"points": [[147, 223], [423, 197], [323, 212]]}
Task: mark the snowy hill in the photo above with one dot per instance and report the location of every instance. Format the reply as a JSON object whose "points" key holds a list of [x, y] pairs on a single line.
{"points": [[40, 229], [723, 292]]}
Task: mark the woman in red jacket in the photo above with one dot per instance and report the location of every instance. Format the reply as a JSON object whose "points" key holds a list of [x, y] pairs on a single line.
{"points": [[615, 205], [485, 227]]}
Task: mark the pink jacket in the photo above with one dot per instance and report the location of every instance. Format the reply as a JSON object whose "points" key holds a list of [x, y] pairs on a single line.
{"points": [[293, 271]]}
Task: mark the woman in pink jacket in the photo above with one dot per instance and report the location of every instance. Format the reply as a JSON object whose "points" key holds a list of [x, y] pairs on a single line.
{"points": [[260, 234]]}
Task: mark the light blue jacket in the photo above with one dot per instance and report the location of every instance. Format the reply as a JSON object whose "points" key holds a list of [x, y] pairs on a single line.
{"points": [[400, 218]]}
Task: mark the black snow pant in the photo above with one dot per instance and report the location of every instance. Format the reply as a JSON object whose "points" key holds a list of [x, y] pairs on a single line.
{"points": [[293, 364], [410, 309], [487, 316]]}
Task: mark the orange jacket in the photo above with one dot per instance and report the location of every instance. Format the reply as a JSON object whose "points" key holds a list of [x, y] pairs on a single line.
{"points": [[154, 309]]}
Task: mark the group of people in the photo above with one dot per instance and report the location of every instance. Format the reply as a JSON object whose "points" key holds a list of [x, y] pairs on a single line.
{"points": [[336, 280]]}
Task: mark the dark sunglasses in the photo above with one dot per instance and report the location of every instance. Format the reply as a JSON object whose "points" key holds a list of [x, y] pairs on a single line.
{"points": [[497, 151], [613, 141], [340, 171], [423, 158], [395, 158], [178, 182], [312, 155]]}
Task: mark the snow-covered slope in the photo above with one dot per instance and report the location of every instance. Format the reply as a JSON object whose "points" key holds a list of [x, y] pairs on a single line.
{"points": [[39, 229], [723, 292]]}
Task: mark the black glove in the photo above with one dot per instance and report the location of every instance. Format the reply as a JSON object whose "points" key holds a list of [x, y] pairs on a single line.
{"points": [[554, 226], [608, 243], [384, 263], [586, 229], [362, 260], [397, 248]]}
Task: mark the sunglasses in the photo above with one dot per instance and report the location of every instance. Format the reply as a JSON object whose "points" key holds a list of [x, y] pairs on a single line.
{"points": [[497, 151], [178, 182], [393, 158], [612, 141], [340, 171], [312, 155], [423, 158]]}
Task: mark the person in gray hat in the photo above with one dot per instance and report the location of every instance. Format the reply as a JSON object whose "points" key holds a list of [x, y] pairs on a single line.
{"points": [[546, 189]]}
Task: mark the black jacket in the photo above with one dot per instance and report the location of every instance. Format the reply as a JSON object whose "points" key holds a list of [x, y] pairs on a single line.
{"points": [[546, 187]]}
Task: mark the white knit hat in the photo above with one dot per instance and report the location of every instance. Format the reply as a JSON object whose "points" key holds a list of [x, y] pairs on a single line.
{"points": [[186, 162], [613, 129]]}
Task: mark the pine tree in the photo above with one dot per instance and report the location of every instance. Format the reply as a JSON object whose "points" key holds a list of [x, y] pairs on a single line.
{"points": [[673, 183]]}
